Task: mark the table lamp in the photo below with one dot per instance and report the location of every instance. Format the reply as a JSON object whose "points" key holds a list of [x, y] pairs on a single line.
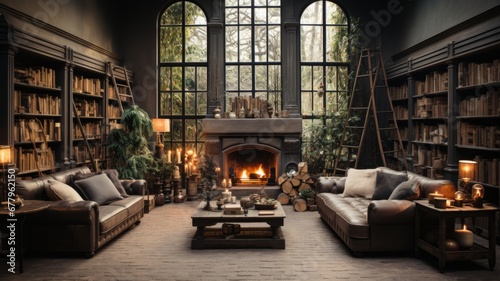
{"points": [[160, 126], [466, 173], [5, 160]]}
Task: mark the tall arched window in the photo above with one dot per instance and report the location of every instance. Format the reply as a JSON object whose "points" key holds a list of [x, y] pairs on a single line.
{"points": [[324, 66], [253, 50], [183, 74]]}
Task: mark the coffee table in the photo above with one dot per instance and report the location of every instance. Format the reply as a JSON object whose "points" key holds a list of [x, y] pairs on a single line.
{"points": [[208, 237]]}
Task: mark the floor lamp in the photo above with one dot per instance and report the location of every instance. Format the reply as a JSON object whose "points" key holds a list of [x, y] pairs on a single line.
{"points": [[160, 126]]}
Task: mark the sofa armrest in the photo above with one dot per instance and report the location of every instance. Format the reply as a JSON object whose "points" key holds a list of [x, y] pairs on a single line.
{"points": [[391, 212], [137, 187], [445, 187], [68, 212]]}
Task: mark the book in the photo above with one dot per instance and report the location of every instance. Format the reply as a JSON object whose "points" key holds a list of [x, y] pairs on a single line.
{"points": [[266, 213]]}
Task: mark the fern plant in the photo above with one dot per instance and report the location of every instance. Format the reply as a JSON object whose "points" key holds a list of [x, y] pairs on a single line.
{"points": [[128, 145]]}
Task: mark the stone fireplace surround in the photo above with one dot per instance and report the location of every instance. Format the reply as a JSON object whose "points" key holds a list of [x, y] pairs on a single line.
{"points": [[280, 137]]}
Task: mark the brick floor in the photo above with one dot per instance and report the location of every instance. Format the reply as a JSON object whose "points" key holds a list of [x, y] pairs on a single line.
{"points": [[159, 249]]}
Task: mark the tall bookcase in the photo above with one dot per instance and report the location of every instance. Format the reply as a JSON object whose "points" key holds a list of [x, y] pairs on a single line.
{"points": [[39, 82], [453, 110]]}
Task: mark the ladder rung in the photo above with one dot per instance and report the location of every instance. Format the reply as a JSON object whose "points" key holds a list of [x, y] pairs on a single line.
{"points": [[387, 129], [364, 75], [125, 95], [121, 85], [381, 86], [359, 108], [391, 151], [355, 127], [351, 146], [384, 111]]}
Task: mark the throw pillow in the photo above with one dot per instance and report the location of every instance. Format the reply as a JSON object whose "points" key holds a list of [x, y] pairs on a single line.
{"points": [[57, 190], [80, 176], [339, 186], [360, 183], [407, 190], [387, 181], [99, 188], [113, 176], [325, 184]]}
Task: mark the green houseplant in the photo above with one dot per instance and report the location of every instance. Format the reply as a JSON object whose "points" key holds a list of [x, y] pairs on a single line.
{"points": [[128, 145]]}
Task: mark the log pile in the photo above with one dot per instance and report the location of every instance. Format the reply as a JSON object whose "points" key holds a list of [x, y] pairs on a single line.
{"points": [[292, 185]]}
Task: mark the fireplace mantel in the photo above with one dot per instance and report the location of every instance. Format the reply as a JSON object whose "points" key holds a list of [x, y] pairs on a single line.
{"points": [[282, 136]]}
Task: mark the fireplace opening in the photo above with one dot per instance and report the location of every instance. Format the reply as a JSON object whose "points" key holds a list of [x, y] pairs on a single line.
{"points": [[251, 166]]}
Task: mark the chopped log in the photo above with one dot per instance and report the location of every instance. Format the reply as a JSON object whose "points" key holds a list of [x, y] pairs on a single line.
{"points": [[305, 177], [300, 204], [282, 179], [287, 187], [294, 193], [303, 186], [284, 199], [295, 182], [302, 168]]}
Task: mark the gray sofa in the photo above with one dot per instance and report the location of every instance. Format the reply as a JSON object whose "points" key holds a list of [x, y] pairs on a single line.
{"points": [[377, 224], [81, 225]]}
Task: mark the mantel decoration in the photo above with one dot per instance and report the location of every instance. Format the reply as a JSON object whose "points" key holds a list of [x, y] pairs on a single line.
{"points": [[208, 172]]}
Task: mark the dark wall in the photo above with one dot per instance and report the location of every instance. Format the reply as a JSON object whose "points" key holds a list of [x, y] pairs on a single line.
{"points": [[425, 24], [86, 19]]}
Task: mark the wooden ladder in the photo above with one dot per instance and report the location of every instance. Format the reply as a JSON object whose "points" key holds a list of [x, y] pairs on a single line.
{"points": [[42, 153], [126, 97], [370, 72]]}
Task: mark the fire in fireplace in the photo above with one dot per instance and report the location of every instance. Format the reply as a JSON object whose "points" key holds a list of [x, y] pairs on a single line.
{"points": [[249, 166]]}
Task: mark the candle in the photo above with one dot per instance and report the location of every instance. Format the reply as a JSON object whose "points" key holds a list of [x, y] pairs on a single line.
{"points": [[169, 156], [224, 184], [178, 156], [464, 237], [233, 199], [229, 183], [434, 195], [440, 202], [227, 196]]}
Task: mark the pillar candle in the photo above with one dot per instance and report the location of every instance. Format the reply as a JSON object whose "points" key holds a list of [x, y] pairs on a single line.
{"points": [[178, 156], [434, 195], [464, 237], [169, 156]]}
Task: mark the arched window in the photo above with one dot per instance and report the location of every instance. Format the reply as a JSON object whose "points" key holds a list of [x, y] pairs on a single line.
{"points": [[183, 74], [324, 67], [253, 50]]}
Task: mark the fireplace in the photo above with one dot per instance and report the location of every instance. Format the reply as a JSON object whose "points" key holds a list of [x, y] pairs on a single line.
{"points": [[253, 151]]}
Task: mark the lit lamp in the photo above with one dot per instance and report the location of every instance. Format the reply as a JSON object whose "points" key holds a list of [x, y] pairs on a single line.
{"points": [[459, 198], [477, 195], [5, 160], [160, 126], [466, 172]]}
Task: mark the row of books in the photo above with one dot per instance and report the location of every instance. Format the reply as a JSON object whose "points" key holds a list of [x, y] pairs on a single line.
{"points": [[435, 107], [401, 112], [92, 86], [488, 170], [470, 73], [36, 76], [88, 108], [478, 135], [429, 157], [26, 160], [26, 130], [487, 104], [399, 92], [81, 153], [36, 103], [436, 81], [92, 130], [114, 111], [437, 134], [113, 95]]}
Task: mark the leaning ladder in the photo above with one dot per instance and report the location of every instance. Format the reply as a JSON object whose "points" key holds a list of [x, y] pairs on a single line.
{"points": [[123, 97], [370, 71]]}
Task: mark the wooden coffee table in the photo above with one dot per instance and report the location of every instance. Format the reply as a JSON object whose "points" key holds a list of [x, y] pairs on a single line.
{"points": [[208, 237]]}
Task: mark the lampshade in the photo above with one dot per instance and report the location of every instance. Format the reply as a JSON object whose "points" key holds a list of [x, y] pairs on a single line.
{"points": [[161, 125], [466, 169], [5, 154]]}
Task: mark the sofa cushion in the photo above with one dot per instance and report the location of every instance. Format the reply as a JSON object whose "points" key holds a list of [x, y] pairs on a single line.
{"points": [[57, 190], [111, 216], [387, 181], [330, 184], [81, 176], [99, 188], [360, 183], [113, 176], [407, 190]]}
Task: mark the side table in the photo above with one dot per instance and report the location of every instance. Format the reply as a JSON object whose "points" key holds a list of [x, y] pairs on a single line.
{"points": [[14, 222], [439, 250]]}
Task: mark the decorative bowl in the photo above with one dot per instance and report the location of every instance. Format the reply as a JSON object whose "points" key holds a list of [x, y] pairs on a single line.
{"points": [[259, 206]]}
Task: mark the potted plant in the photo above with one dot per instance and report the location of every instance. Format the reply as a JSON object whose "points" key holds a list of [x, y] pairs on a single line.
{"points": [[310, 195], [128, 145]]}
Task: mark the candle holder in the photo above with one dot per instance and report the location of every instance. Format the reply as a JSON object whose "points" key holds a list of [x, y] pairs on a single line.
{"points": [[433, 196], [466, 173], [440, 202], [459, 198]]}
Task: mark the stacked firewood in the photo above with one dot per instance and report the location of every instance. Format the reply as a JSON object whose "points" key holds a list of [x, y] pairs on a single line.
{"points": [[292, 184]]}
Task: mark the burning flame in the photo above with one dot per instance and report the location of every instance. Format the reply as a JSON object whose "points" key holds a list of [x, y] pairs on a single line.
{"points": [[259, 172]]}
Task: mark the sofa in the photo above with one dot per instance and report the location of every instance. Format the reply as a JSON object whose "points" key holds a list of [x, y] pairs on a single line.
{"points": [[373, 210], [87, 210]]}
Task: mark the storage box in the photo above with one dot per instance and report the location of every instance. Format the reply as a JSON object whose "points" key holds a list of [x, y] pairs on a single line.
{"points": [[149, 203]]}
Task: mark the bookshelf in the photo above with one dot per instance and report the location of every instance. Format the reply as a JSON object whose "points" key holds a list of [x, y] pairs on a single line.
{"points": [[37, 117], [39, 80]]}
